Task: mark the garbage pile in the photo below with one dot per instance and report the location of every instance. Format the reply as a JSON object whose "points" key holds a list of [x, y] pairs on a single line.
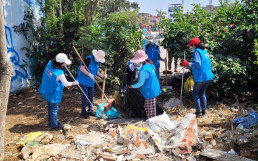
{"points": [[163, 137]]}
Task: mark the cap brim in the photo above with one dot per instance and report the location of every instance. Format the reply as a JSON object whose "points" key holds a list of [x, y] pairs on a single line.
{"points": [[94, 52], [68, 62], [102, 60], [189, 45], [139, 60]]}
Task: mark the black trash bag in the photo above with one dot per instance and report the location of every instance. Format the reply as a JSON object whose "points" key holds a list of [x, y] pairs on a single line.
{"points": [[131, 98], [132, 77]]}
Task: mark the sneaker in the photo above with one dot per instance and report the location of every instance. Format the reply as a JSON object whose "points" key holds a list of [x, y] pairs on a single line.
{"points": [[56, 128], [203, 113], [197, 114], [85, 115], [91, 113]]}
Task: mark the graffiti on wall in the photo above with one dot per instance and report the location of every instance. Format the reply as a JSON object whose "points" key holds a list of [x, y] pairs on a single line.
{"points": [[19, 71], [23, 27]]}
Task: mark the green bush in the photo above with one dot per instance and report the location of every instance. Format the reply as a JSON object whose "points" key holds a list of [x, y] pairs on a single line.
{"points": [[119, 37], [229, 35]]}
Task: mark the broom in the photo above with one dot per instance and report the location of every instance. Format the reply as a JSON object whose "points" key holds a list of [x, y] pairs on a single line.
{"points": [[109, 101]]}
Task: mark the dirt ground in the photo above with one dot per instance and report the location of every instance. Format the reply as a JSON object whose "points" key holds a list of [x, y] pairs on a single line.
{"points": [[27, 112]]}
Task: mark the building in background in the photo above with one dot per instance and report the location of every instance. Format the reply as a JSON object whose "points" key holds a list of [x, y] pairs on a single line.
{"points": [[173, 8], [148, 21], [210, 8]]}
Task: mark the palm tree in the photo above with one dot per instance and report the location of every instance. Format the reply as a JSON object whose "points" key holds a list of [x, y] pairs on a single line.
{"points": [[160, 14]]}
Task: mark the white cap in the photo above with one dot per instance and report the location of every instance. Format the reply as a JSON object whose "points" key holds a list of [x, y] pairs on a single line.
{"points": [[62, 58], [99, 55]]}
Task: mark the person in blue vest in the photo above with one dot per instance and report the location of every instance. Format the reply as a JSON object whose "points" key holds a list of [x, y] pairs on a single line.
{"points": [[87, 80], [202, 73], [153, 52], [144, 41], [51, 88], [133, 72], [148, 82]]}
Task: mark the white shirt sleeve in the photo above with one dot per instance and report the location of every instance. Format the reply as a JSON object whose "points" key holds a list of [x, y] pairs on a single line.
{"points": [[63, 80]]}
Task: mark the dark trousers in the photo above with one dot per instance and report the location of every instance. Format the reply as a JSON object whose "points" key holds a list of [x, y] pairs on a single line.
{"points": [[89, 91], [52, 114], [199, 95]]}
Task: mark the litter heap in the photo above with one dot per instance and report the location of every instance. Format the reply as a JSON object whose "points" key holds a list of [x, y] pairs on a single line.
{"points": [[163, 137]]}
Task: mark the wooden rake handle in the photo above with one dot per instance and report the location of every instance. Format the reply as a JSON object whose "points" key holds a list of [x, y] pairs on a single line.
{"points": [[89, 72]]}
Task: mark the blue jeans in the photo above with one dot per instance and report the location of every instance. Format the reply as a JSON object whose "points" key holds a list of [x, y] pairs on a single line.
{"points": [[199, 95], [52, 114], [89, 91]]}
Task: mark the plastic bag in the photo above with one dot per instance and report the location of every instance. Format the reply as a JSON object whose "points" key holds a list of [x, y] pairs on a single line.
{"points": [[160, 123], [131, 130], [29, 137], [100, 111], [173, 102], [189, 83], [249, 121], [112, 113], [185, 134], [82, 142]]}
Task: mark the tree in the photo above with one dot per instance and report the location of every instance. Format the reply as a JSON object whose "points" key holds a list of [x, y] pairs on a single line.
{"points": [[110, 6], [89, 11], [135, 5], [146, 21], [160, 14], [5, 81]]}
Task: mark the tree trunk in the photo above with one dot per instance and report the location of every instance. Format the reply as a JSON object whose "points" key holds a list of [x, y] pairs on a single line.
{"points": [[5, 81], [89, 11], [60, 9]]}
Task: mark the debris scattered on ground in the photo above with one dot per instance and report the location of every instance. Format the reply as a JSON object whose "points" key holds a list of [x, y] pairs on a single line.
{"points": [[170, 136], [222, 156]]}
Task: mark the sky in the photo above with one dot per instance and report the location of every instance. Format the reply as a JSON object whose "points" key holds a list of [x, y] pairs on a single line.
{"points": [[150, 6]]}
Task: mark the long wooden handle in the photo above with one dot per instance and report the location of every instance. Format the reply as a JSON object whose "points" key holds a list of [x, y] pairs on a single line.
{"points": [[166, 64], [89, 72], [104, 84]]}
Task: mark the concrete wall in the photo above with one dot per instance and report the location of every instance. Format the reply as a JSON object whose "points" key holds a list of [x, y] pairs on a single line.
{"points": [[15, 13]]}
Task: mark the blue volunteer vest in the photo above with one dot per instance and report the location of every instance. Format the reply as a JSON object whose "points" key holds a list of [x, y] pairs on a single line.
{"points": [[50, 88], [150, 88], [153, 54], [93, 67], [205, 72]]}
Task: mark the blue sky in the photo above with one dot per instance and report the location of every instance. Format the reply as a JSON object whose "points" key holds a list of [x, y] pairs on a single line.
{"points": [[150, 6]]}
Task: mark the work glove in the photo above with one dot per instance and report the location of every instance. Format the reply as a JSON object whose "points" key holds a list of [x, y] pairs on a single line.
{"points": [[91, 76], [75, 82], [104, 76], [185, 63]]}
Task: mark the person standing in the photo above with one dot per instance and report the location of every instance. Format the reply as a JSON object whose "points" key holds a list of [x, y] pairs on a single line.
{"points": [[202, 73], [87, 79], [51, 88], [153, 52], [143, 40], [148, 82]]}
